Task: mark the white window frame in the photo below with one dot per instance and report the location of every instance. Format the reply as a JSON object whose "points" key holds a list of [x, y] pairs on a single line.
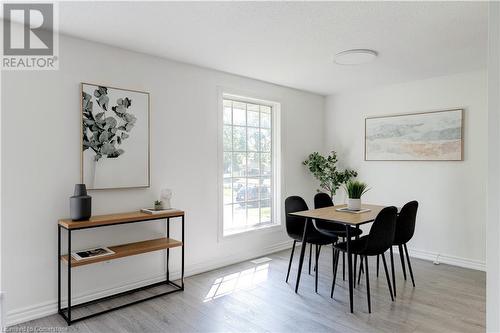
{"points": [[276, 181]]}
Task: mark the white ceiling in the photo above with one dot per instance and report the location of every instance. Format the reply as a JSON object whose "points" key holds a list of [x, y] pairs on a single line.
{"points": [[293, 43]]}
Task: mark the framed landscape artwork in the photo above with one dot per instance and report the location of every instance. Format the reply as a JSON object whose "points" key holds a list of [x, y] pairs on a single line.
{"points": [[426, 136], [115, 137]]}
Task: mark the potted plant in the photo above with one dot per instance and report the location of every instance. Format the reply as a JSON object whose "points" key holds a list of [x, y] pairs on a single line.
{"points": [[325, 170], [158, 205], [355, 189]]}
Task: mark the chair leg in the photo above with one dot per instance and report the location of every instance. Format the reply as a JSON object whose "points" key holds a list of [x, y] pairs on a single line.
{"points": [[401, 255], [343, 262], [333, 259], [354, 270], [387, 276], [409, 266], [290, 263], [316, 269], [318, 249], [393, 272], [378, 262], [310, 256], [355, 260], [335, 268], [368, 286], [360, 268]]}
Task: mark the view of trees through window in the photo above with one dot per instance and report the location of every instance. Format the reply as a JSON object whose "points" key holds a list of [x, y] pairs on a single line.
{"points": [[247, 170]]}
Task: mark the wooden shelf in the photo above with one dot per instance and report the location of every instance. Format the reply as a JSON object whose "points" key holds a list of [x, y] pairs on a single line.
{"points": [[126, 250], [110, 219]]}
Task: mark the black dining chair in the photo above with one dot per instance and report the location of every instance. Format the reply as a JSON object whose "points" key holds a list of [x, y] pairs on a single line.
{"points": [[295, 230], [377, 242], [322, 200], [405, 228]]}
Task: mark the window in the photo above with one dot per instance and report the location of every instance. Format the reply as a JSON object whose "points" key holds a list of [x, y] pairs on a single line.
{"points": [[249, 153]]}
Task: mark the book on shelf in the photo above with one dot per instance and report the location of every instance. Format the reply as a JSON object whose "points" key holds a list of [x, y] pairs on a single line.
{"points": [[155, 211], [94, 252]]}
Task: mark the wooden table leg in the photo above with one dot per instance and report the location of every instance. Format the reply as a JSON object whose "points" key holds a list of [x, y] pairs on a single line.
{"points": [[302, 252], [349, 269]]}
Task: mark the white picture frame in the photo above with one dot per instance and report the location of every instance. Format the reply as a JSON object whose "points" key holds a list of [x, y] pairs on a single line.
{"points": [[115, 137]]}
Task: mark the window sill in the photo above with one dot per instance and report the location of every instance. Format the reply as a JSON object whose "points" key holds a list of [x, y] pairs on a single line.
{"points": [[272, 227]]}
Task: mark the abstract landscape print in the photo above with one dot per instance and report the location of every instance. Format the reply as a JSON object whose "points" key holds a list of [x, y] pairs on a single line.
{"points": [[426, 136], [115, 137]]}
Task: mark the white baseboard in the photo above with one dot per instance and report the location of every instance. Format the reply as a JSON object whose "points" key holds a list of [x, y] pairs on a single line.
{"points": [[443, 258], [446, 259], [48, 308]]}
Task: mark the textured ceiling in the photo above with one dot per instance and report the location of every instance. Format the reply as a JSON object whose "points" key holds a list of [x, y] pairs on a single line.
{"points": [[293, 43]]}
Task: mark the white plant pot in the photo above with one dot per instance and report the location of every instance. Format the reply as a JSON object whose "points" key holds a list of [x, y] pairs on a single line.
{"points": [[354, 204]]}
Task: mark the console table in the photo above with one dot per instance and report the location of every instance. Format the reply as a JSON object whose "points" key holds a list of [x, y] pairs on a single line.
{"points": [[120, 251]]}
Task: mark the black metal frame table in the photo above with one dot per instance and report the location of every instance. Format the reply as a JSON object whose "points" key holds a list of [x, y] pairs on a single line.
{"points": [[330, 214], [122, 251]]}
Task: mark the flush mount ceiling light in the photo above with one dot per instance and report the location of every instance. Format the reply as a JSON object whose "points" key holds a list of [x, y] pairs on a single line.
{"points": [[355, 57]]}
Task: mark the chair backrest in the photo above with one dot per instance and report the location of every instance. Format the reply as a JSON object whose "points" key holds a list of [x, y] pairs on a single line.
{"points": [[405, 225], [382, 232], [322, 200], [295, 224]]}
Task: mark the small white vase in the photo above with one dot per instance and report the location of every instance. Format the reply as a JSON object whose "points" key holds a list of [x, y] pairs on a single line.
{"points": [[166, 204], [353, 204], [165, 196]]}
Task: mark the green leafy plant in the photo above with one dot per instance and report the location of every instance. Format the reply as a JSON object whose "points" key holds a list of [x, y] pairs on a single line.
{"points": [[158, 204], [355, 189], [325, 170], [104, 132]]}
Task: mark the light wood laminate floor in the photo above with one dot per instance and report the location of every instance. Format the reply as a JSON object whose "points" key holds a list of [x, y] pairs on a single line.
{"points": [[249, 297]]}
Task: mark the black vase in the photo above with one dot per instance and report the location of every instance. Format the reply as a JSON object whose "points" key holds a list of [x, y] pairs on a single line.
{"points": [[80, 204]]}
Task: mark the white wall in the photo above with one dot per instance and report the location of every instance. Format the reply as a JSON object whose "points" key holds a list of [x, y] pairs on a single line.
{"points": [[452, 195], [41, 163], [493, 236]]}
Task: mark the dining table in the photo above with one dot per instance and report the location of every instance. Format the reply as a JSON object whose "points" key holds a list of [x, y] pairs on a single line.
{"points": [[349, 219]]}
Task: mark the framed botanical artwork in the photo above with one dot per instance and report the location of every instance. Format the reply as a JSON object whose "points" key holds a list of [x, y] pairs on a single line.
{"points": [[115, 135], [424, 136]]}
